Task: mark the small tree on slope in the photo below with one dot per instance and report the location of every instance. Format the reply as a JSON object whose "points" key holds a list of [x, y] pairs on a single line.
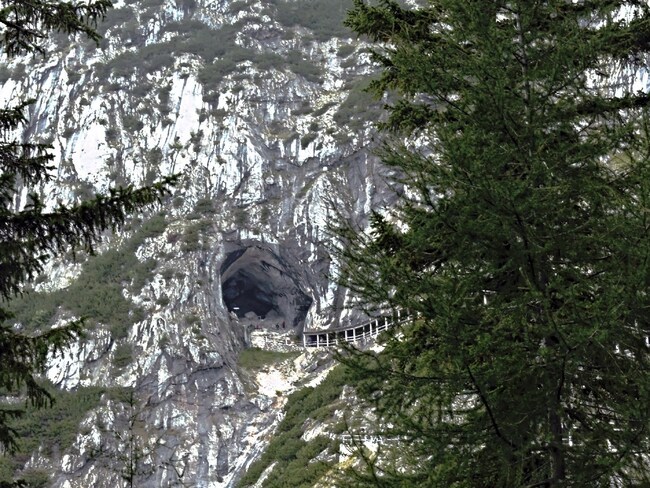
{"points": [[523, 243], [28, 237]]}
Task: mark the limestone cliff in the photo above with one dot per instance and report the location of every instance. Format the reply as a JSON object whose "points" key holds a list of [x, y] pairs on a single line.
{"points": [[258, 106]]}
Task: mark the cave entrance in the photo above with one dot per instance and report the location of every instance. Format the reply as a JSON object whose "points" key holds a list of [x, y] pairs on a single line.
{"points": [[257, 285]]}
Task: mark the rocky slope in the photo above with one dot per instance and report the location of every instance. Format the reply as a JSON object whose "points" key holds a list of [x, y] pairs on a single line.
{"points": [[258, 106]]}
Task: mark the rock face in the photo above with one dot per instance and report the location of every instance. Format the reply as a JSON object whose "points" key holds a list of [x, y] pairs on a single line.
{"points": [[256, 105]]}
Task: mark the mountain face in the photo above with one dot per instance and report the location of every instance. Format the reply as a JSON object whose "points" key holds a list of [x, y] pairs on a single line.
{"points": [[259, 106]]}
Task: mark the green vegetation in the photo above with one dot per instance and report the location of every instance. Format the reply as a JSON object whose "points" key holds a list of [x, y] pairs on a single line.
{"points": [[5, 73], [52, 429], [204, 206], [35, 477], [296, 466], [191, 239], [359, 107], [522, 248], [240, 217], [123, 356], [301, 66], [256, 359], [307, 139], [217, 48], [97, 292], [345, 50], [321, 110], [324, 18], [115, 17], [147, 59]]}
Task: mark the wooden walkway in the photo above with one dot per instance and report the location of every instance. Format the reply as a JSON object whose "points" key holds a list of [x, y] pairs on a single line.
{"points": [[354, 333]]}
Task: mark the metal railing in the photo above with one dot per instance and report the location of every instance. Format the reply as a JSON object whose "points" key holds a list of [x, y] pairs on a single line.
{"points": [[352, 334]]}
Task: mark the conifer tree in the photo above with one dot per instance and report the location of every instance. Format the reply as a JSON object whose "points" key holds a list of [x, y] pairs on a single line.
{"points": [[521, 241], [30, 233]]}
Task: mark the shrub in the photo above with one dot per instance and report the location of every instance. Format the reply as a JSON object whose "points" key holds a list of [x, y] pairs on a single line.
{"points": [[192, 319], [5, 73], [153, 227], [35, 477], [345, 50], [97, 292], [256, 359], [323, 17], [294, 458], [205, 206], [132, 124], [357, 107], [119, 331], [55, 428], [308, 139], [123, 356], [320, 111], [265, 214], [115, 17], [190, 241], [303, 67], [241, 217], [238, 5]]}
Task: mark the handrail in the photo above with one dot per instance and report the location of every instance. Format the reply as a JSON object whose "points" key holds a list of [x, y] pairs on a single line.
{"points": [[332, 337], [361, 332]]}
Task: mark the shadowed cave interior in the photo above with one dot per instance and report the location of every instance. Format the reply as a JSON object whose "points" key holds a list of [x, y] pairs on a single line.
{"points": [[256, 285]]}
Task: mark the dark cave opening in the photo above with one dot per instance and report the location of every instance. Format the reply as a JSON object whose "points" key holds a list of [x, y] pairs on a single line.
{"points": [[242, 294], [257, 284]]}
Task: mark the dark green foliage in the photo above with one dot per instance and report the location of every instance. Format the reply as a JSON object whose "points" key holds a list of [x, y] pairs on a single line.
{"points": [[295, 458], [523, 245], [320, 111], [303, 67], [238, 5], [27, 24], [52, 429], [358, 107], [255, 359], [345, 50], [191, 239], [7, 469], [147, 59], [199, 39], [97, 292], [307, 139], [115, 17], [132, 123], [5, 73], [324, 18], [241, 217], [221, 55], [204, 206], [35, 477], [123, 356]]}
